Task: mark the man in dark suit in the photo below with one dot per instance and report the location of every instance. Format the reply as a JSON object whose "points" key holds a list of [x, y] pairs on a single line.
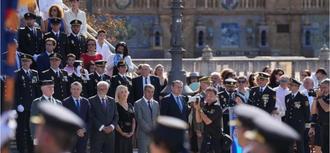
{"points": [[263, 96], [30, 37], [59, 76], [26, 90], [122, 79], [76, 41], [59, 36], [104, 118], [98, 75], [80, 106], [47, 89], [145, 78], [43, 59], [297, 112], [174, 104]]}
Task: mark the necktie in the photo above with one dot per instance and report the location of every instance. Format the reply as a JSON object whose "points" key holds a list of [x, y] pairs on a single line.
{"points": [[261, 90], [104, 103], [57, 74], [28, 74], [179, 103], [50, 99], [149, 105], [145, 80], [78, 104]]}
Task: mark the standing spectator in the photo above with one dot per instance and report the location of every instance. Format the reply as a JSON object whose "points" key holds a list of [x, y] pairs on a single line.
{"points": [[227, 73], [121, 53], [91, 54], [126, 122], [275, 77], [59, 36], [43, 58], [281, 91], [144, 79], [101, 46], [193, 82], [262, 95], [146, 113], [320, 75], [242, 88], [45, 5], [75, 13], [30, 37], [55, 11], [81, 107], [159, 72], [69, 68], [76, 41], [97, 76], [174, 104], [26, 90], [59, 76], [267, 69], [252, 80], [297, 112], [104, 118], [304, 73], [80, 75], [122, 79], [216, 81]]}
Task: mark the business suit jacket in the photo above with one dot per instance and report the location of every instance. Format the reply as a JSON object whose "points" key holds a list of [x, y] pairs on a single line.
{"points": [[83, 113], [30, 42], [35, 110], [61, 82], [169, 107], [145, 122], [126, 81], [138, 87], [101, 141], [94, 78], [265, 100], [42, 62]]}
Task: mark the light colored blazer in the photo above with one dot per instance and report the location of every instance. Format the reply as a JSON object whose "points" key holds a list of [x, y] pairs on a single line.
{"points": [[142, 115]]}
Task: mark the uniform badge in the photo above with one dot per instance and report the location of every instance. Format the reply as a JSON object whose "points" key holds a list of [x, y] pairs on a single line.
{"points": [[29, 35], [96, 80], [72, 42], [34, 79], [306, 103], [224, 99], [23, 78], [119, 82], [52, 77], [297, 104], [265, 99], [221, 96], [65, 78], [254, 94]]}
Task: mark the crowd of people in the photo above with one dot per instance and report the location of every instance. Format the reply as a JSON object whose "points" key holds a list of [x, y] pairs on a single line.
{"points": [[116, 106]]}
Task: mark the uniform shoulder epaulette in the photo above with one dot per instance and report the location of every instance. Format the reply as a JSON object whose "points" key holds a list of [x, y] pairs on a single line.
{"points": [[16, 71], [47, 33], [217, 103], [34, 71], [21, 28], [221, 92], [44, 71], [253, 88]]}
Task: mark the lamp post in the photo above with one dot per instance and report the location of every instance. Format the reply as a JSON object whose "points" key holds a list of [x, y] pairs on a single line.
{"points": [[176, 51]]}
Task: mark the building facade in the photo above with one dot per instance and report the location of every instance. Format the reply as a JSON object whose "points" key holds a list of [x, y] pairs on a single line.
{"points": [[230, 27]]}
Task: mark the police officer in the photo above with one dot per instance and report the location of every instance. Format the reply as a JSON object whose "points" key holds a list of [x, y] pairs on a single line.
{"points": [[56, 128], [263, 96], [98, 75], [169, 136], [47, 89], [210, 115], [26, 90], [270, 135], [76, 41], [227, 99], [297, 111], [59, 76], [59, 36], [320, 113], [121, 79], [81, 75], [30, 37]]}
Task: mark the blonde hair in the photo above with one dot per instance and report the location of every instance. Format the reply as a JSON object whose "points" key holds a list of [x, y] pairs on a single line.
{"points": [[118, 90]]}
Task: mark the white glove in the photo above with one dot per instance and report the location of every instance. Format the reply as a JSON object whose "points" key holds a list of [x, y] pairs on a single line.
{"points": [[8, 126], [20, 108]]}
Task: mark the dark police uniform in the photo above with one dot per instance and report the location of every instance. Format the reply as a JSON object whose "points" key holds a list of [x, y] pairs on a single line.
{"points": [[82, 79], [30, 40], [212, 132], [61, 39], [94, 78], [26, 90], [324, 124], [297, 114], [121, 80], [76, 43], [61, 80], [264, 99]]}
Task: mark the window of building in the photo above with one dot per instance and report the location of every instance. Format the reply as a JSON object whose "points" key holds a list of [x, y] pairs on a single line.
{"points": [[263, 38], [200, 38], [307, 38], [283, 28], [157, 39]]}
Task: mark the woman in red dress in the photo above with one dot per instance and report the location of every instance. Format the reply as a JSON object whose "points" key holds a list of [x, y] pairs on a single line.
{"points": [[91, 54]]}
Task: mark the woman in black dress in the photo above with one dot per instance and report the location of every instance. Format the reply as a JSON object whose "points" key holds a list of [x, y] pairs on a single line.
{"points": [[126, 122]]}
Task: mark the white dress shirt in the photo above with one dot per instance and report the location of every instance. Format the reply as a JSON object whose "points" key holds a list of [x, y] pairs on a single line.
{"points": [[110, 64], [69, 16], [103, 49], [280, 101]]}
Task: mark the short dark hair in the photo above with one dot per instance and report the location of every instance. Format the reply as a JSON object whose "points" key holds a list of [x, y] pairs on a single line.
{"points": [[148, 86], [52, 40], [211, 89], [176, 82], [101, 31], [322, 71]]}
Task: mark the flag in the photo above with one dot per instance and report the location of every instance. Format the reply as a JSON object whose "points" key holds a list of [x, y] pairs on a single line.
{"points": [[235, 147]]}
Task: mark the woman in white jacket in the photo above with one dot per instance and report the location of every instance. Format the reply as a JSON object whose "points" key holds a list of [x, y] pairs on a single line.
{"points": [[121, 53], [281, 91]]}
